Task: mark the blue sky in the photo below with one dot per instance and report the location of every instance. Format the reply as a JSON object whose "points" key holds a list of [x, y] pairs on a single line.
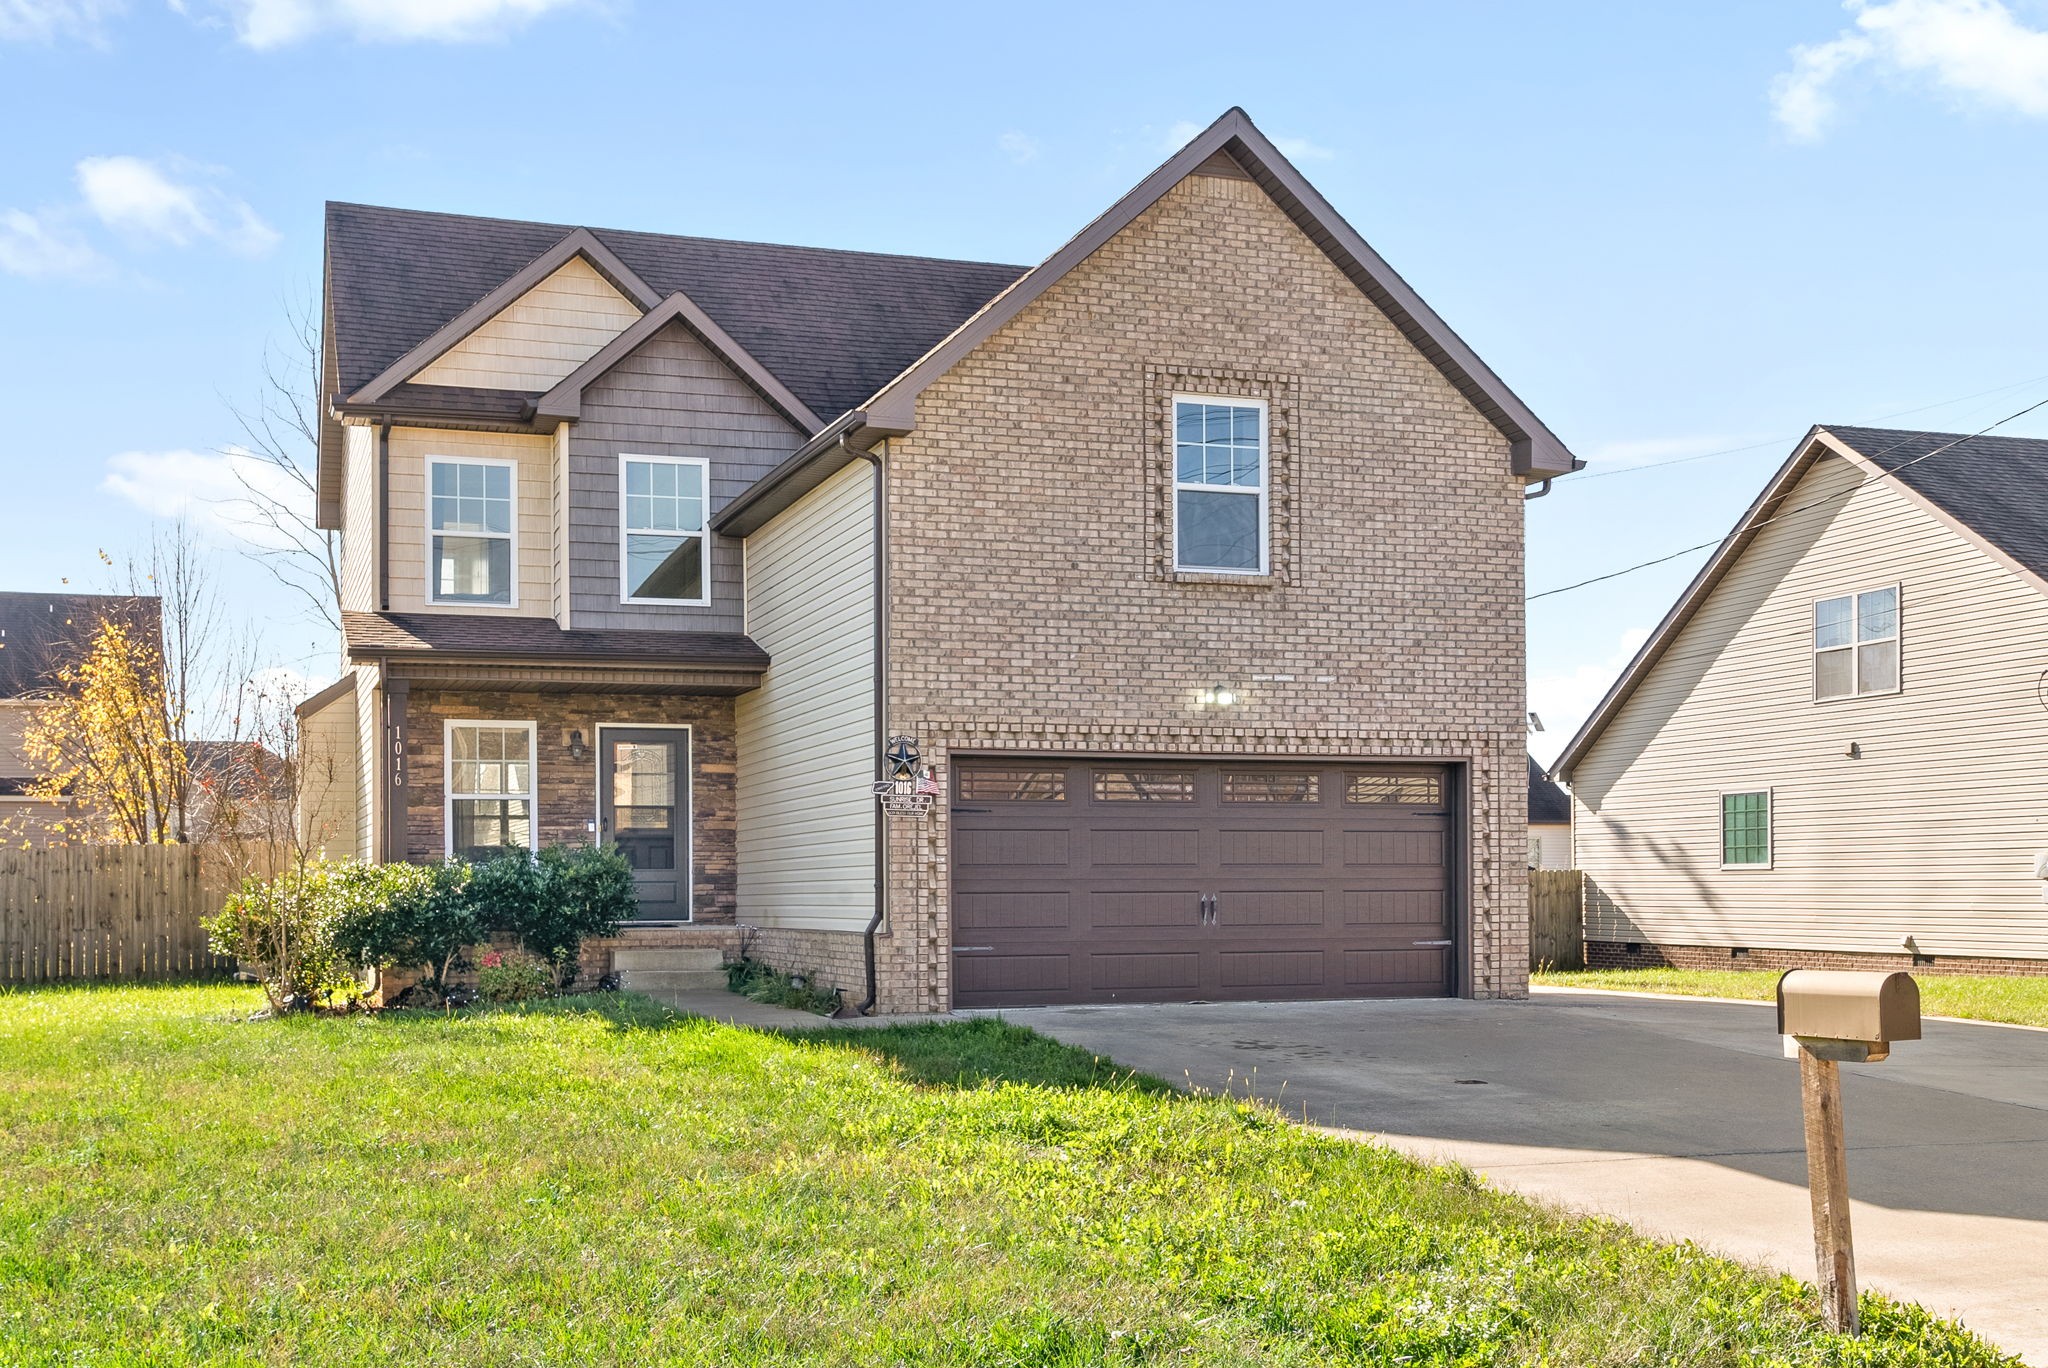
{"points": [[1673, 229]]}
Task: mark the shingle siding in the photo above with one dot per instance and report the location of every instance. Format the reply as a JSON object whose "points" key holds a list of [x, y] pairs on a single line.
{"points": [[671, 397]]}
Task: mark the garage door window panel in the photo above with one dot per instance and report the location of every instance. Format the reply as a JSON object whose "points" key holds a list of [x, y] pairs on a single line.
{"points": [[1144, 786], [1399, 790], [1270, 786]]}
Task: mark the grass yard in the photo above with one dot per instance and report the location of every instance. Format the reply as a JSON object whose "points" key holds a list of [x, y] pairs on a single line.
{"points": [[2023, 1001], [602, 1182]]}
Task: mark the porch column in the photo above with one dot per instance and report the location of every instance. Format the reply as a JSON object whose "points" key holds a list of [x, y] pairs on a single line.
{"points": [[394, 833]]}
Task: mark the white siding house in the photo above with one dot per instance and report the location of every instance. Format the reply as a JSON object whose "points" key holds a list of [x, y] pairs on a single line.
{"points": [[1836, 745]]}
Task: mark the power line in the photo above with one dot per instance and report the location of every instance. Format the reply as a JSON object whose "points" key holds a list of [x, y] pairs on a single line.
{"points": [[1582, 476], [1792, 512]]}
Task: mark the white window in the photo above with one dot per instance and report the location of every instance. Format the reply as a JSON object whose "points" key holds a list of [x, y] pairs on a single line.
{"points": [[1219, 485], [490, 788], [664, 554], [469, 518], [1856, 644]]}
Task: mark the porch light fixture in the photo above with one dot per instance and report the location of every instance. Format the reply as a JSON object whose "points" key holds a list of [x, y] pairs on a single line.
{"points": [[576, 747], [1218, 697]]}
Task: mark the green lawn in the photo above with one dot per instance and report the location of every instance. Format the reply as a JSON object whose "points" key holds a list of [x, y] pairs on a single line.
{"points": [[604, 1183], [2020, 1000]]}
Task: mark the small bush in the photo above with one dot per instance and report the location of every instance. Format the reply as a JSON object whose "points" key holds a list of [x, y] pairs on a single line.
{"points": [[409, 917], [752, 979], [284, 927], [580, 892], [512, 976]]}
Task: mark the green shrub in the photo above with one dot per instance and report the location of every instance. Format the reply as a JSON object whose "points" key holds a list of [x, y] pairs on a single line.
{"points": [[512, 976], [763, 983], [409, 917], [284, 928], [586, 891]]}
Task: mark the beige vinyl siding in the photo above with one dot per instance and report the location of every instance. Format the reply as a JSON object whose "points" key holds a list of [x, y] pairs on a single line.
{"points": [[533, 522], [14, 719], [359, 518], [369, 705], [330, 779], [1551, 845], [806, 736], [540, 337], [1930, 834]]}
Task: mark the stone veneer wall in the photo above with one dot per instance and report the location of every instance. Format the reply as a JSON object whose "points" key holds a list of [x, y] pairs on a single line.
{"points": [[567, 787], [1034, 607], [1606, 954]]}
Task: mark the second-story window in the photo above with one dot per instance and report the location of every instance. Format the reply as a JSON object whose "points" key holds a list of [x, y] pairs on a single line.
{"points": [[1856, 644], [470, 515], [663, 557], [1219, 485]]}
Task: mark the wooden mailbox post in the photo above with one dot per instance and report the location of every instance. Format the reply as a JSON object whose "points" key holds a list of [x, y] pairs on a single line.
{"points": [[1833, 1018]]}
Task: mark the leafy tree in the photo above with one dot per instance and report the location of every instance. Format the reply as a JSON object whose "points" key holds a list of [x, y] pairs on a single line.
{"points": [[106, 743]]}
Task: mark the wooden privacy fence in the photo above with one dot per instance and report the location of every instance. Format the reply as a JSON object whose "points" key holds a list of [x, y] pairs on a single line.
{"points": [[99, 912], [1557, 919]]}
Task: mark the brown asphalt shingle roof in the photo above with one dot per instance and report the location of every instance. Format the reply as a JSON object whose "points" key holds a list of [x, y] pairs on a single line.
{"points": [[42, 633], [485, 637], [834, 326]]}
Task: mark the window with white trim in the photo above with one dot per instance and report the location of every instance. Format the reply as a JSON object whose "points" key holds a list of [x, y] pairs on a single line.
{"points": [[490, 788], [664, 554], [1219, 485], [470, 521], [1856, 644], [1746, 829]]}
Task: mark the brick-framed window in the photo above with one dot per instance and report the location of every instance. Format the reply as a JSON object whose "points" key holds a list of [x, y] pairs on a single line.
{"points": [[489, 785], [1172, 396]]}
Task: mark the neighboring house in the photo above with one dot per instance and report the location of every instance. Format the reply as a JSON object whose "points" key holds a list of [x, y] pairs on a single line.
{"points": [[1832, 750], [1189, 561], [1550, 821], [40, 636], [241, 791]]}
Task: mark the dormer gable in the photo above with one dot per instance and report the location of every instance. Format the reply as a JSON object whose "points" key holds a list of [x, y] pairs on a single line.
{"points": [[540, 337]]}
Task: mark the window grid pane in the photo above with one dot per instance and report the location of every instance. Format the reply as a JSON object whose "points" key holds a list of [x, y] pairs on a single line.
{"points": [[1144, 786], [1014, 784], [1856, 644], [1263, 786], [1407, 790], [1745, 828]]}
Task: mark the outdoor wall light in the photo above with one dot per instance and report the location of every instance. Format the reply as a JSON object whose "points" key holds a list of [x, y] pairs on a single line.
{"points": [[1218, 697], [576, 748]]}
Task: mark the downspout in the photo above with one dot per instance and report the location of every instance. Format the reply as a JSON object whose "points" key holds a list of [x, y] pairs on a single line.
{"points": [[881, 662], [383, 548], [1541, 490]]}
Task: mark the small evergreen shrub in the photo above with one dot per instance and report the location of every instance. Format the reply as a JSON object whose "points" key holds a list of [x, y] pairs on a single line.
{"points": [[406, 916], [284, 929]]}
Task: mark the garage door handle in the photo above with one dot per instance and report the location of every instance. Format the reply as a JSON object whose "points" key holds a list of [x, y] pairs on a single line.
{"points": [[1441, 942]]}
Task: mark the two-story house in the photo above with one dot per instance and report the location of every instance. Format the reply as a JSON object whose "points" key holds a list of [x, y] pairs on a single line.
{"points": [[1830, 753], [1187, 563]]}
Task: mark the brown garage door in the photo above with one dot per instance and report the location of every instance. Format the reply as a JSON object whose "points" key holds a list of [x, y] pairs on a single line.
{"points": [[1110, 881]]}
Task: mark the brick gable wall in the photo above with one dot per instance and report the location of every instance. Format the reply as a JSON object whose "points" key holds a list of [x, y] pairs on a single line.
{"points": [[1032, 598]]}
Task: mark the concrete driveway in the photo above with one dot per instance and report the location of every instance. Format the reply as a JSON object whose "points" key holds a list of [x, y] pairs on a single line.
{"points": [[1676, 1115]]}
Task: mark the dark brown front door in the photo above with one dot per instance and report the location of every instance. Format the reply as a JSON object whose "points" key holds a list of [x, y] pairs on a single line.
{"points": [[1110, 881], [643, 808]]}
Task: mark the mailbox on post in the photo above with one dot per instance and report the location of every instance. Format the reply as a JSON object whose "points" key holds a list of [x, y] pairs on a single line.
{"points": [[1851, 1018], [1830, 1018]]}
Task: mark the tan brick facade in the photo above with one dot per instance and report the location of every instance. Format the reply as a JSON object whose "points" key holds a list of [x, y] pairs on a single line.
{"points": [[567, 787], [1033, 603]]}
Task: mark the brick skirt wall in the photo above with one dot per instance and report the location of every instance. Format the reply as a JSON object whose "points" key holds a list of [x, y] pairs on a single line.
{"points": [[837, 959], [1602, 954]]}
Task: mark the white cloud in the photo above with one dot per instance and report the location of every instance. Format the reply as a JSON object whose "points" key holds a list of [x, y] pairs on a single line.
{"points": [[1179, 136], [1977, 50], [41, 245], [1565, 699], [1019, 147], [43, 21], [209, 489], [278, 23], [143, 200]]}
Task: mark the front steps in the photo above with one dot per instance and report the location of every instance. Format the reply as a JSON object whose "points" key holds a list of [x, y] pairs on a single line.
{"points": [[668, 973]]}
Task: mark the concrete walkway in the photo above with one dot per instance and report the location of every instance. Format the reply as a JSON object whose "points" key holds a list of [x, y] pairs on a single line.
{"points": [[1678, 1116]]}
